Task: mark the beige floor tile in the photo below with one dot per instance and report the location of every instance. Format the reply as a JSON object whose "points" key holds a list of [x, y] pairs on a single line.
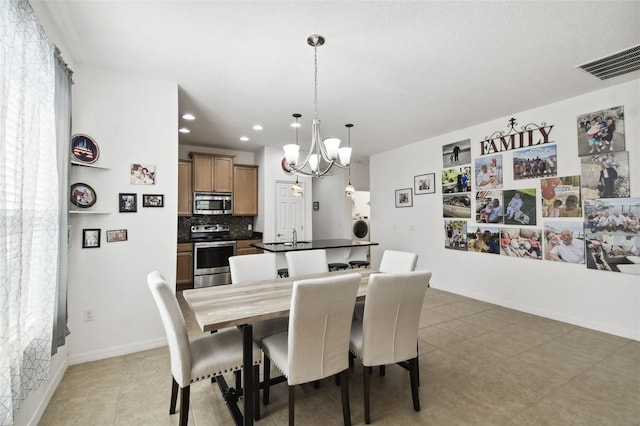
{"points": [[480, 364]]}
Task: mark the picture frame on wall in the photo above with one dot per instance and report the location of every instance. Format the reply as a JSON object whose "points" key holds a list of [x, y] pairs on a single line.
{"points": [[152, 200], [90, 238], [116, 235], [128, 203], [424, 184], [404, 197]]}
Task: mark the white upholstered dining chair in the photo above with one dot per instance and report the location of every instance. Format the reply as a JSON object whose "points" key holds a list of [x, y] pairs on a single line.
{"points": [[317, 342], [306, 262], [202, 358], [388, 332], [398, 261], [392, 261]]}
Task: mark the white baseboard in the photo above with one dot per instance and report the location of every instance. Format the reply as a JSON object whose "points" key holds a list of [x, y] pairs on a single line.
{"points": [[116, 351], [626, 333]]}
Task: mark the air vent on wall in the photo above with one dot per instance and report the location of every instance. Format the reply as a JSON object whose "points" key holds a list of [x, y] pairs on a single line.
{"points": [[614, 65]]}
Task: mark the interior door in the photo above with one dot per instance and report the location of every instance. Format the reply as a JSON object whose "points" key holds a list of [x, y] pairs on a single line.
{"points": [[289, 212]]}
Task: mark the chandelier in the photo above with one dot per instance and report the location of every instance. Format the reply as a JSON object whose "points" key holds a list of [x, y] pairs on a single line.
{"points": [[323, 154]]}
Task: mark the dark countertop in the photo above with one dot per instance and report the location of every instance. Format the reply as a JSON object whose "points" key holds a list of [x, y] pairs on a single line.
{"points": [[312, 245], [255, 236]]}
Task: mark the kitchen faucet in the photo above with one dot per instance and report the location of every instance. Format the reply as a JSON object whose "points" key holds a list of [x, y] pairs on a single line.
{"points": [[295, 236]]}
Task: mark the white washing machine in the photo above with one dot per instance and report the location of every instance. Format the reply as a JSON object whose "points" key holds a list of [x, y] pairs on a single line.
{"points": [[360, 229]]}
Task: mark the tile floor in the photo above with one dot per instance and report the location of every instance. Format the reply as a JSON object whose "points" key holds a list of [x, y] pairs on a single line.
{"points": [[480, 365]]}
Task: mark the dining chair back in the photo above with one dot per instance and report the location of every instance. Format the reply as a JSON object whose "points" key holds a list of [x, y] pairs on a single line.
{"points": [[205, 357], [258, 267], [388, 331], [398, 261], [253, 267], [317, 343], [306, 262]]}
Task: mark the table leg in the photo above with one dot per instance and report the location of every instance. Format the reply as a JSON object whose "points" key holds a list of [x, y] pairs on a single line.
{"points": [[247, 372]]}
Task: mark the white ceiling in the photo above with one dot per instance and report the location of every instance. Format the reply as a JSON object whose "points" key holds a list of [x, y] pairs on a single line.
{"points": [[400, 71]]}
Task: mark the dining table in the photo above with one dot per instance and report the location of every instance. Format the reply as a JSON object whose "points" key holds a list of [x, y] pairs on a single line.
{"points": [[242, 305]]}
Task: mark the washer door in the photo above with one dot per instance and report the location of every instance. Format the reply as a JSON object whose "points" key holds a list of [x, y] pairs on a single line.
{"points": [[360, 229]]}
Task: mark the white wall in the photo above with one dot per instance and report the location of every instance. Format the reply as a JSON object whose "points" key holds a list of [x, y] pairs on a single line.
{"points": [[133, 120], [604, 301]]}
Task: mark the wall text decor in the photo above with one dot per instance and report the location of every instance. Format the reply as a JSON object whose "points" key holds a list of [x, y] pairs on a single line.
{"points": [[529, 135]]}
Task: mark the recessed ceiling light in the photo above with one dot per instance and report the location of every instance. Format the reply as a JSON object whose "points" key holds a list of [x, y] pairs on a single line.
{"points": [[188, 116], [184, 130], [244, 139], [257, 127]]}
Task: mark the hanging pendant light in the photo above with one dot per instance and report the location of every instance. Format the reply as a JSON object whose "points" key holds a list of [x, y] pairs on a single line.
{"points": [[323, 154], [296, 188], [349, 190]]}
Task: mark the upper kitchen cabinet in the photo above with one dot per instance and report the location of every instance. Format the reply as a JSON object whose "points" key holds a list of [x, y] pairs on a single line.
{"points": [[212, 173], [245, 190], [185, 191]]}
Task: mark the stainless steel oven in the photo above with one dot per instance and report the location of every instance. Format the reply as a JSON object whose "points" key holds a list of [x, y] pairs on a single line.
{"points": [[211, 253]]}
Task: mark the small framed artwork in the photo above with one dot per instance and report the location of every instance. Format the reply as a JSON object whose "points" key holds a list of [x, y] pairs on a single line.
{"points": [[116, 235], [128, 203], [143, 174], [404, 197], [152, 200], [424, 184], [90, 238]]}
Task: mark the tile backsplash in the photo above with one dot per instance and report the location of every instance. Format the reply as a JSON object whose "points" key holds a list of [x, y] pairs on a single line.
{"points": [[238, 225]]}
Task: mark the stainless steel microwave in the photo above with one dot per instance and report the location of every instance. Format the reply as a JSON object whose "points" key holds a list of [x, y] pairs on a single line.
{"points": [[212, 203]]}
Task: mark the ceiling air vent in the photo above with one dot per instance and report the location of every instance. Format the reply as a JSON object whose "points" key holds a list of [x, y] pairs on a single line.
{"points": [[614, 65]]}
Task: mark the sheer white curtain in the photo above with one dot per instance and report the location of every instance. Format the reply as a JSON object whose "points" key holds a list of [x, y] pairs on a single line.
{"points": [[29, 228]]}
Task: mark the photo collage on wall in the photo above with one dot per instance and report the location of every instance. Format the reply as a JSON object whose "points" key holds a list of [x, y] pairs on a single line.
{"points": [[584, 219]]}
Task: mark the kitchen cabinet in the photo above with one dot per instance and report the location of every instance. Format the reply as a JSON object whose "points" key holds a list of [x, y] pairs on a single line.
{"points": [[212, 173], [185, 191], [245, 190], [184, 266], [244, 247]]}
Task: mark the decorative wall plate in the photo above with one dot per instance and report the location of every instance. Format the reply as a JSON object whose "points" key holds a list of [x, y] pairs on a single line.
{"points": [[84, 149], [82, 195], [285, 165]]}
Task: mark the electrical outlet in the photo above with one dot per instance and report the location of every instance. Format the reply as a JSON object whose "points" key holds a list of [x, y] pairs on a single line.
{"points": [[249, 227], [87, 315]]}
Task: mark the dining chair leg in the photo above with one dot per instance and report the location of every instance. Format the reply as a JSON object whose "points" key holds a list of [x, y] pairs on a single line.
{"points": [[256, 392], [417, 360], [174, 396], [292, 400], [344, 390], [382, 370], [352, 358], [238, 376], [266, 378], [366, 381], [413, 374], [184, 406]]}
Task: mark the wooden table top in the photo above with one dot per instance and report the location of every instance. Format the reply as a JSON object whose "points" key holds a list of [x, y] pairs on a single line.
{"points": [[236, 304]]}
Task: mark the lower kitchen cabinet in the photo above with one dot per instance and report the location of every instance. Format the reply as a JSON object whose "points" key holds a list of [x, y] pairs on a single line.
{"points": [[244, 247], [184, 266]]}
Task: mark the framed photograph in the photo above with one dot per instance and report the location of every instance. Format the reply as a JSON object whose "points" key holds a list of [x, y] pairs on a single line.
{"points": [[143, 174], [456, 153], [424, 184], [404, 197], [82, 195], [601, 132], [128, 203], [84, 149], [533, 163], [152, 200], [456, 179], [116, 235], [90, 238]]}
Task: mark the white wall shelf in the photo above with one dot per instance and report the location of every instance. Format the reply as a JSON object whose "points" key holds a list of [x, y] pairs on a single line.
{"points": [[93, 166], [88, 212]]}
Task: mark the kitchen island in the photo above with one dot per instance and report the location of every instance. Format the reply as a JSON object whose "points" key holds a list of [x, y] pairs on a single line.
{"points": [[338, 250]]}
